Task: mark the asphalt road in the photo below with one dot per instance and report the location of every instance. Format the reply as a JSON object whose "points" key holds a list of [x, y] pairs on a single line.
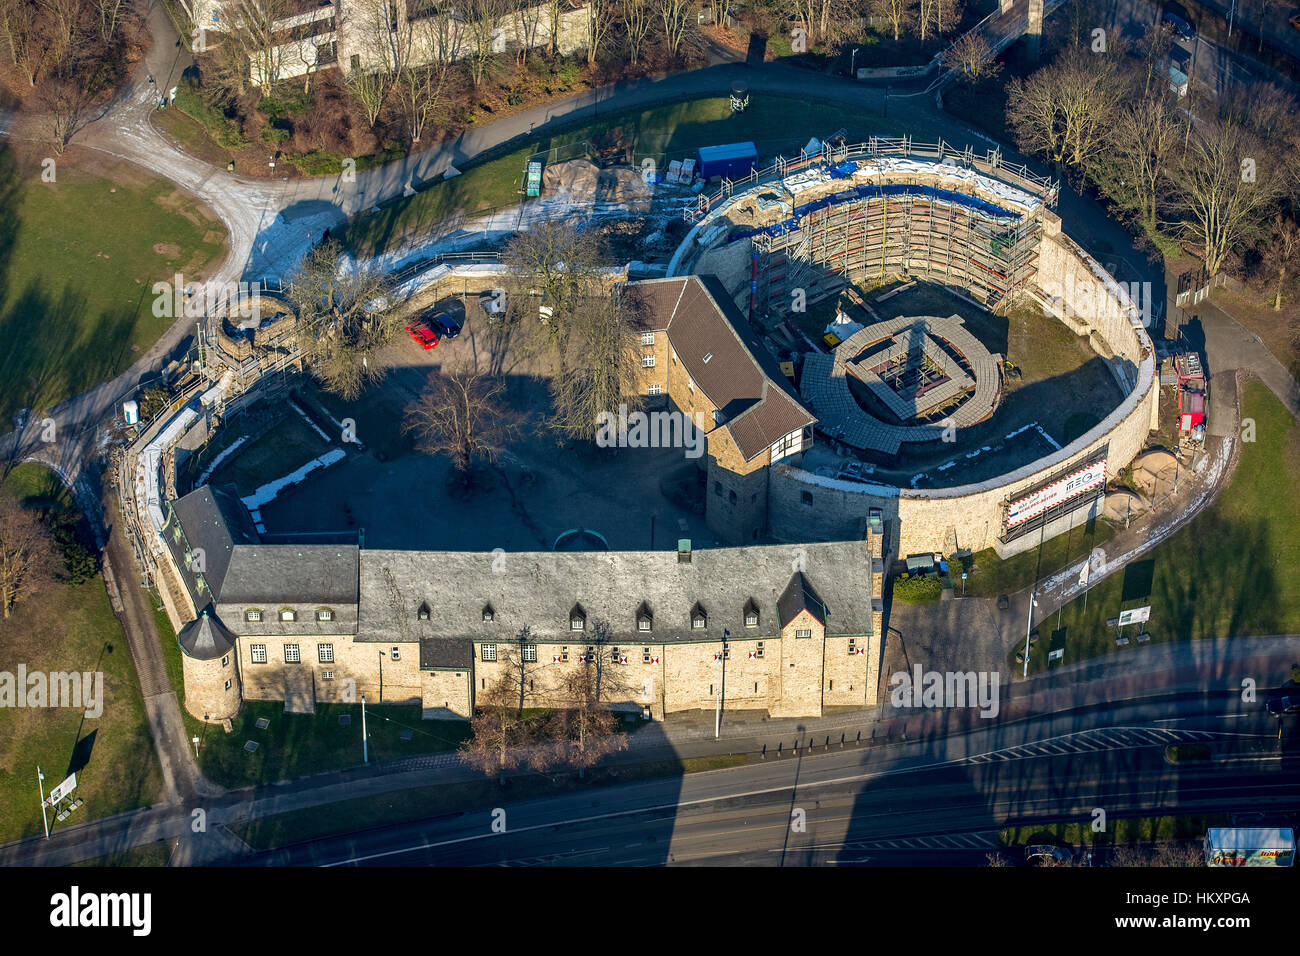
{"points": [[939, 801]]}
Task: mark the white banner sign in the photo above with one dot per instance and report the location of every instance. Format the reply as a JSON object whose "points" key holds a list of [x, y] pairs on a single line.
{"points": [[1085, 479], [1137, 615], [63, 789]]}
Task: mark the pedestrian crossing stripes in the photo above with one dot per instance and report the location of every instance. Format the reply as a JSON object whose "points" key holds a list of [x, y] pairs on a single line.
{"points": [[1086, 741]]}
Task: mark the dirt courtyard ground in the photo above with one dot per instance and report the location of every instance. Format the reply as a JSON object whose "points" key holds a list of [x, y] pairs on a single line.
{"points": [[401, 498]]}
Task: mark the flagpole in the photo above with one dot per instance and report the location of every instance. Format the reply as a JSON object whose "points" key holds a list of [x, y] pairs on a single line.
{"points": [[40, 782]]}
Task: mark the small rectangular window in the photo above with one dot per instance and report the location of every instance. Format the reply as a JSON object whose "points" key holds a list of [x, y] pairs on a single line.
{"points": [[288, 615], [225, 660], [253, 616], [643, 624], [645, 655], [325, 653], [758, 652], [291, 655], [397, 653], [647, 338], [327, 675], [530, 653], [564, 654], [576, 623], [805, 497], [647, 361], [726, 652], [853, 649], [324, 614], [257, 653], [227, 685], [803, 632], [751, 619], [488, 652], [655, 390]]}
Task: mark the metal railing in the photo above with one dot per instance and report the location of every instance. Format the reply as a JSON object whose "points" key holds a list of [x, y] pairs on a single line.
{"points": [[988, 161]]}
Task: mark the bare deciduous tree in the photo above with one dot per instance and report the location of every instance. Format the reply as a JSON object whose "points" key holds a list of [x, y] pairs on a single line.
{"points": [[500, 737], [462, 414], [64, 100], [603, 371], [345, 315], [600, 17], [251, 30], [27, 554], [971, 55], [636, 16], [1225, 184], [677, 17], [586, 730], [1141, 146], [28, 37], [898, 13], [485, 35], [1177, 854], [1064, 110], [562, 260], [1281, 253]]}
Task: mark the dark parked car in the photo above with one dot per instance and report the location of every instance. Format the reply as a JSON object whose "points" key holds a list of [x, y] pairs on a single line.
{"points": [[1182, 29], [446, 326], [1285, 701]]}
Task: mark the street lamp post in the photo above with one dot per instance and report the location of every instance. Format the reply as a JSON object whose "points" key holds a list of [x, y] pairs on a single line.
{"points": [[722, 679], [365, 744], [1029, 626], [853, 62], [40, 782], [381, 677]]}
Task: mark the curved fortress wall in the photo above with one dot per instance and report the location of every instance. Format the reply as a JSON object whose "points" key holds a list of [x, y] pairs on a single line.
{"points": [[1052, 270]]}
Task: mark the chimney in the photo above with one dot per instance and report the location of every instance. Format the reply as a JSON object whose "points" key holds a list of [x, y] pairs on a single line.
{"points": [[683, 550]]}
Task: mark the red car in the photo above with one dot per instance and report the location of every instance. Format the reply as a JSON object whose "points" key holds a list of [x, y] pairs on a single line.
{"points": [[422, 333]]}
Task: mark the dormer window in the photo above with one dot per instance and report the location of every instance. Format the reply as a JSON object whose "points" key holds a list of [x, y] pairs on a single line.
{"points": [[751, 613], [253, 615], [324, 614], [423, 612], [644, 619], [288, 615], [699, 620], [577, 618], [489, 615]]}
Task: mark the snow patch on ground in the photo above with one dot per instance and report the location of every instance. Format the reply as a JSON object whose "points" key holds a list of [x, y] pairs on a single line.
{"points": [[269, 491], [216, 462]]}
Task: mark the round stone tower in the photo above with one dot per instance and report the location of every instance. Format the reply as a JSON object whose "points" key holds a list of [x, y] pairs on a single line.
{"points": [[211, 668]]}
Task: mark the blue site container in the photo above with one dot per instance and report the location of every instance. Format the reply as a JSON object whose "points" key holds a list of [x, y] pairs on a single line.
{"points": [[732, 160]]}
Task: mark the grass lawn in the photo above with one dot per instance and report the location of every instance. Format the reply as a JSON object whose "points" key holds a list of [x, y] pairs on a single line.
{"points": [[70, 628], [294, 745], [676, 130], [423, 802], [78, 259], [992, 576], [1230, 572], [287, 446]]}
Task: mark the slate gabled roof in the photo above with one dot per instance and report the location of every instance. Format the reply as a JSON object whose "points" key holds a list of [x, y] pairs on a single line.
{"points": [[214, 519], [800, 596], [723, 356], [537, 590]]}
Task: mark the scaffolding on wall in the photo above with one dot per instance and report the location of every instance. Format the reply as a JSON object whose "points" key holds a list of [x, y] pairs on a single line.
{"points": [[867, 239]]}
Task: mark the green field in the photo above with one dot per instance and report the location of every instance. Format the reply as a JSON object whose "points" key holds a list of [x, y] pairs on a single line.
{"points": [[676, 130], [63, 629], [294, 745], [78, 259], [1230, 572]]}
